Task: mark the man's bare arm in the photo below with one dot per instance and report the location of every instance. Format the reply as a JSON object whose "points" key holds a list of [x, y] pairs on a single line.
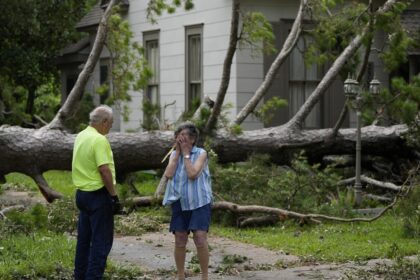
{"points": [[106, 176]]}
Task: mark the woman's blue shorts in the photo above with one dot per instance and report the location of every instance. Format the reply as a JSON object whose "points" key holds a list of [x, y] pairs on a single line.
{"points": [[190, 220]]}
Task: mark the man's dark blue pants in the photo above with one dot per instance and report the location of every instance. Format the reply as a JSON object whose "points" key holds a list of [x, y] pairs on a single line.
{"points": [[95, 233]]}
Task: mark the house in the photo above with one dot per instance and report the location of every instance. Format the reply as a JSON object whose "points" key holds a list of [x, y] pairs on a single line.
{"points": [[187, 49]]}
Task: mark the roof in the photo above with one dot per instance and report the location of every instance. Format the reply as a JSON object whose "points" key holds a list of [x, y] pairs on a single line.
{"points": [[104, 3], [410, 19], [93, 17], [75, 53], [76, 47]]}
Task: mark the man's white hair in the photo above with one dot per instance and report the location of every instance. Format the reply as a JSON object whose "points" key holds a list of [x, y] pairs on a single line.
{"points": [[99, 114]]}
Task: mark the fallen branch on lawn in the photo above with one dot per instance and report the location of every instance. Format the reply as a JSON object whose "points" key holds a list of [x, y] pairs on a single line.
{"points": [[378, 197], [257, 221], [281, 214], [284, 214], [373, 182], [161, 187], [10, 208]]}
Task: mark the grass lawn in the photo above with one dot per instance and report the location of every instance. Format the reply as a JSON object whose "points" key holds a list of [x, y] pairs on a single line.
{"points": [[61, 181], [36, 255], [331, 242], [325, 242], [46, 255], [58, 180]]}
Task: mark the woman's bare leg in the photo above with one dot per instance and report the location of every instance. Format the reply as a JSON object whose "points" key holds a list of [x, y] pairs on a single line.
{"points": [[200, 240], [181, 239]]}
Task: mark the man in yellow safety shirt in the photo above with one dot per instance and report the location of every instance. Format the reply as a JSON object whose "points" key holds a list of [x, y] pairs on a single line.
{"points": [[93, 174]]}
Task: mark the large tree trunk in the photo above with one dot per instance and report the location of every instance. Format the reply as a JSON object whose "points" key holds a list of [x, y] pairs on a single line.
{"points": [[33, 152]]}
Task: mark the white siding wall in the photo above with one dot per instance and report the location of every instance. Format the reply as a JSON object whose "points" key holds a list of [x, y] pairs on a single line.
{"points": [[247, 69], [250, 66], [215, 17]]}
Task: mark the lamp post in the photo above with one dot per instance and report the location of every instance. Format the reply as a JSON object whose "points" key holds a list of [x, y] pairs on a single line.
{"points": [[353, 91]]}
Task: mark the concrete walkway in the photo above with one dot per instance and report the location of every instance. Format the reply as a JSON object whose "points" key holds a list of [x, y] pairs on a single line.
{"points": [[152, 252]]}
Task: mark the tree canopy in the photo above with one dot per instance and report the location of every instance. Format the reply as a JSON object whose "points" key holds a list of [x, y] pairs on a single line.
{"points": [[32, 33]]}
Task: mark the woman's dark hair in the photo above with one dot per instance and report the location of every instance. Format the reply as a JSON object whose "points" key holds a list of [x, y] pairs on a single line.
{"points": [[192, 130]]}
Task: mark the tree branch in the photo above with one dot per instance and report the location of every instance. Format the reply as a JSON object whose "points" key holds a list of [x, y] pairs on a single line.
{"points": [[49, 194], [281, 214], [10, 208], [299, 118], [378, 197], [70, 105], [206, 104], [373, 182], [227, 65], [288, 45], [161, 187]]}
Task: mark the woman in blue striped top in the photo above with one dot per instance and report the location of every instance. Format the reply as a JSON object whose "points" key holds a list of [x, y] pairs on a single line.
{"points": [[190, 196]]}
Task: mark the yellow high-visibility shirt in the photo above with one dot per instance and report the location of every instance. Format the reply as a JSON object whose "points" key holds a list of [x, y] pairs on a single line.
{"points": [[91, 150]]}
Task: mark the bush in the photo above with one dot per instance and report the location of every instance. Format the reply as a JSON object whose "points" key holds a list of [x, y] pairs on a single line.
{"points": [[301, 187], [59, 217], [25, 222], [409, 209], [62, 215]]}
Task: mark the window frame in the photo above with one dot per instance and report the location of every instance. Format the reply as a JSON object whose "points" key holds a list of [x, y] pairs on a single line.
{"points": [[193, 30], [151, 36]]}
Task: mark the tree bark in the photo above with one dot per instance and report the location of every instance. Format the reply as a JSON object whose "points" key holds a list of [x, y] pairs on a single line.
{"points": [[288, 46]]}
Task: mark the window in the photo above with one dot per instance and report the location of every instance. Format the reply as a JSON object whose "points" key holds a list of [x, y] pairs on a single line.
{"points": [[70, 82], [151, 45], [194, 63], [151, 102], [303, 80], [104, 78]]}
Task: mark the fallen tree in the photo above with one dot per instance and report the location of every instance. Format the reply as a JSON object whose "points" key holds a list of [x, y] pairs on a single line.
{"points": [[34, 151]]}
